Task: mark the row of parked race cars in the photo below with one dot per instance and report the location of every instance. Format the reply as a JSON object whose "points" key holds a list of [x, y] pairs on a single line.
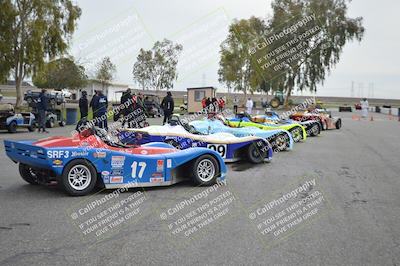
{"points": [[161, 155]]}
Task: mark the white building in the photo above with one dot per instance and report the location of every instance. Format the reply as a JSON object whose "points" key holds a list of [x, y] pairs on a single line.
{"points": [[112, 91]]}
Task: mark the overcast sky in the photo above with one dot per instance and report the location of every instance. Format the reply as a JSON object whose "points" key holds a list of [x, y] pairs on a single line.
{"points": [[119, 28]]}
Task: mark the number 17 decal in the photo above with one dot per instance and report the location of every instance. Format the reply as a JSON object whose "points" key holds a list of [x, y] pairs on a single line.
{"points": [[142, 167]]}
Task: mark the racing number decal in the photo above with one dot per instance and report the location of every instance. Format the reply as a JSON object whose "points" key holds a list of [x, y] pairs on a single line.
{"points": [[220, 148], [142, 166]]}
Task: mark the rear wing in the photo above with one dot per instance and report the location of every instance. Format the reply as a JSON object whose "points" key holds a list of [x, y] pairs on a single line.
{"points": [[27, 153]]}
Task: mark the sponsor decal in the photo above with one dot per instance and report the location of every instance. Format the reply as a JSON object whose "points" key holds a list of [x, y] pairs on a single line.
{"points": [[169, 163], [157, 179], [160, 165], [57, 163], [144, 152], [84, 143], [99, 154], [106, 179], [116, 179], [55, 154], [105, 173], [117, 161], [79, 153], [117, 172]]}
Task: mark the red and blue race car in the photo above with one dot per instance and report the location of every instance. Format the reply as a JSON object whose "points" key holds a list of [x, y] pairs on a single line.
{"points": [[94, 157]]}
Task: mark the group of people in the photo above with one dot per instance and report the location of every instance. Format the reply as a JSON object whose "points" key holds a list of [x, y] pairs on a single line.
{"points": [[99, 105], [133, 111], [213, 104]]}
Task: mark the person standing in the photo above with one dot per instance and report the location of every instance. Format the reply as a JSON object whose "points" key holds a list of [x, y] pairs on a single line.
{"points": [[42, 108], [364, 107], [102, 104], [221, 104], [204, 103], [167, 105], [83, 105], [214, 104], [93, 104], [235, 104], [249, 106], [208, 104], [126, 99]]}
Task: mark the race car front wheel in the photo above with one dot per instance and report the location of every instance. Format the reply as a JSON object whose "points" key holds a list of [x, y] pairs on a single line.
{"points": [[297, 134], [205, 170], [27, 174], [79, 178], [281, 143], [256, 154]]}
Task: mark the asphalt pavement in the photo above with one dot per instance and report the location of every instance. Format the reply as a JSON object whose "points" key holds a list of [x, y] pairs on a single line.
{"points": [[341, 206]]}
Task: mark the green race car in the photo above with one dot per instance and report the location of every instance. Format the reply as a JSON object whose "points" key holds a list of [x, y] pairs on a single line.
{"points": [[298, 131]]}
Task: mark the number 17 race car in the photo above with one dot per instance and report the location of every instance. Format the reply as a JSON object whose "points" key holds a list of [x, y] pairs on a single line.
{"points": [[93, 157]]}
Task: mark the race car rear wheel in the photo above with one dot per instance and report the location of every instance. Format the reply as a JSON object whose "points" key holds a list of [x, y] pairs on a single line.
{"points": [[314, 130], [12, 127], [28, 174], [297, 134], [78, 178], [256, 154], [205, 170], [338, 124]]}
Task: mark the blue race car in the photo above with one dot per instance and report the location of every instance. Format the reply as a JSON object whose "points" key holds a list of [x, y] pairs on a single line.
{"points": [[230, 147], [279, 139], [93, 157]]}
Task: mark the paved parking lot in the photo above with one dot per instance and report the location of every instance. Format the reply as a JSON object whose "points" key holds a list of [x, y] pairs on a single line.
{"points": [[350, 215]]}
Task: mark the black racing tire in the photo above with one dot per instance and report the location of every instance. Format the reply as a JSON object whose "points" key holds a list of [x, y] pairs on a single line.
{"points": [[50, 123], [281, 142], [275, 103], [314, 130], [297, 133], [73, 179], [205, 170], [27, 174], [12, 127], [62, 123], [32, 127], [173, 143], [256, 153], [338, 124]]}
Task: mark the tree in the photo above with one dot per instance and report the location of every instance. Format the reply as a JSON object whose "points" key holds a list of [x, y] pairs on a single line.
{"points": [[157, 67], [32, 31], [60, 73], [105, 72], [143, 67], [237, 69], [308, 59]]}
